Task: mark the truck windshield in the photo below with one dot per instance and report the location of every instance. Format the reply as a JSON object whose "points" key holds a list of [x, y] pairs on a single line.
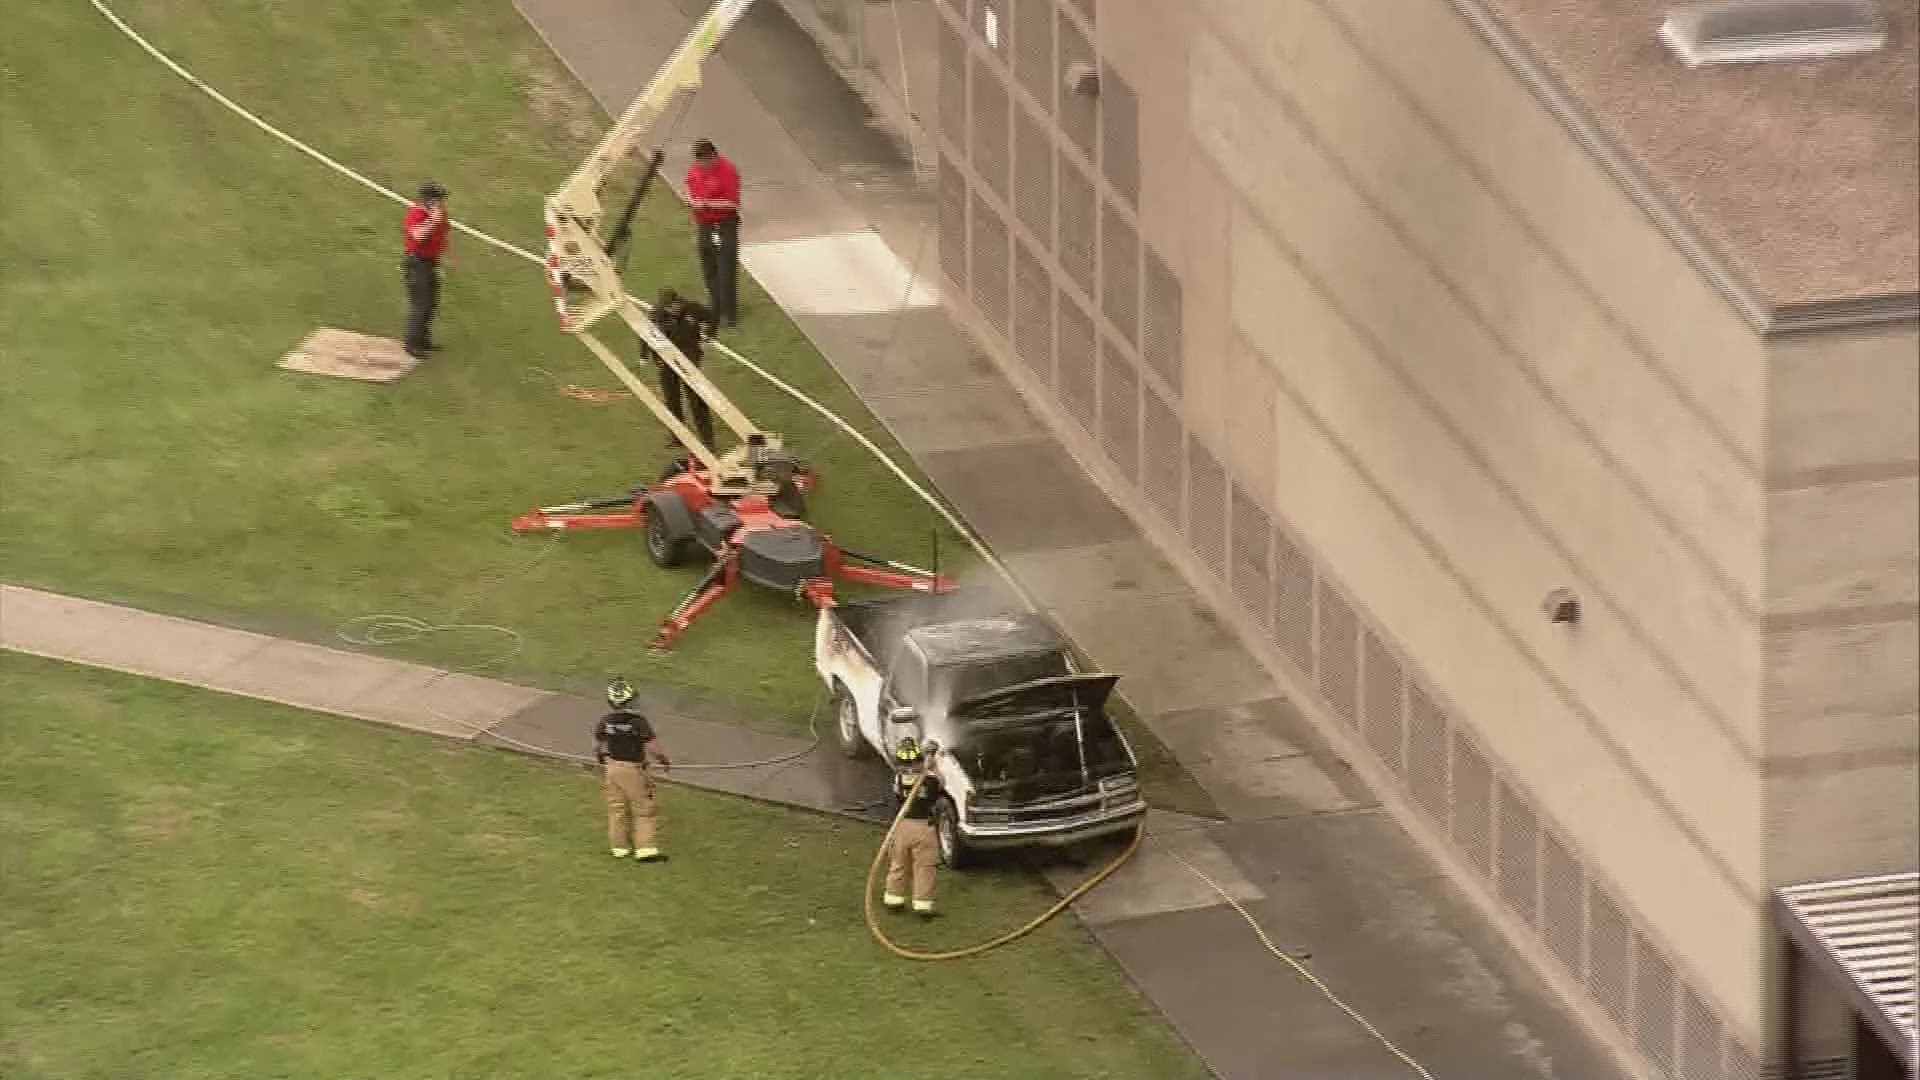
{"points": [[972, 680]]}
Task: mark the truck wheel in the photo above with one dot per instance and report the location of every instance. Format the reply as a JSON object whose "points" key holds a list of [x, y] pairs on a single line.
{"points": [[946, 832], [846, 726], [664, 546]]}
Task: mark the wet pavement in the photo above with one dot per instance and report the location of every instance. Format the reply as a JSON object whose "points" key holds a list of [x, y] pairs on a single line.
{"points": [[718, 756]]}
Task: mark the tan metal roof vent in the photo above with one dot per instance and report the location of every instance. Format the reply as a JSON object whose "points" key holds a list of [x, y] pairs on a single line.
{"points": [[1755, 31]]}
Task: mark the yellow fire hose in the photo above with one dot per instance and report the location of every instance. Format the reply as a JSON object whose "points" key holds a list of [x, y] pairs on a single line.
{"points": [[887, 943]]}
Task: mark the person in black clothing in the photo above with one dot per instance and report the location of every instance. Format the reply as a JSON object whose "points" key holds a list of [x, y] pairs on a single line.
{"points": [[624, 744], [913, 851], [687, 324]]}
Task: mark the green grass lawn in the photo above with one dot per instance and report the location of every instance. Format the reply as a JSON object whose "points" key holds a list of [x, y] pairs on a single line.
{"points": [[161, 255], [158, 255], [203, 886]]}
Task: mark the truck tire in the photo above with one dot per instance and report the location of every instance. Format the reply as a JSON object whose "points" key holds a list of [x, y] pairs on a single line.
{"points": [[846, 724], [946, 833], [666, 536]]}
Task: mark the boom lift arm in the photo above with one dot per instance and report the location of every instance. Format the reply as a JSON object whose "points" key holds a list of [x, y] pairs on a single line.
{"points": [[577, 254], [741, 506]]}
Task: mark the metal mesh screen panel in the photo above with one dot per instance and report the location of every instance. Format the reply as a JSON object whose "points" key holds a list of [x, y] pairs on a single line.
{"points": [[1033, 313], [1382, 701], [1078, 224], [1701, 1036], [1163, 457], [1120, 413], [1609, 958], [1120, 274], [1429, 741], [1160, 344], [1250, 533], [1653, 988], [1472, 816], [1120, 135], [1517, 850], [1076, 358], [953, 222], [1563, 905], [1033, 176], [1741, 1063], [990, 157], [1293, 602], [1033, 49], [1078, 114], [953, 86], [1207, 508], [990, 278], [1337, 652]]}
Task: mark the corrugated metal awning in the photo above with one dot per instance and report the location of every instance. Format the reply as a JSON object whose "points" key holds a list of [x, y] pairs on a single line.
{"points": [[1866, 933]]}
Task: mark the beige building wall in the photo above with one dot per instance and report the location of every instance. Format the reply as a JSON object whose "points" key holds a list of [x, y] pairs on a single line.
{"points": [[1463, 424], [1843, 550], [1380, 355]]}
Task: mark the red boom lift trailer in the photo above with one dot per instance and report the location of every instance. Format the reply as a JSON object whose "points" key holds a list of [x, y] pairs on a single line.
{"points": [[745, 508]]}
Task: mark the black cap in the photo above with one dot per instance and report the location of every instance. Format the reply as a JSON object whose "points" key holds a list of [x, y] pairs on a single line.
{"points": [[431, 190], [703, 148]]}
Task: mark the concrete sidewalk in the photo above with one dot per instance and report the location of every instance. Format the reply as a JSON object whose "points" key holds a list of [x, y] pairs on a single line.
{"points": [[708, 754], [838, 231]]}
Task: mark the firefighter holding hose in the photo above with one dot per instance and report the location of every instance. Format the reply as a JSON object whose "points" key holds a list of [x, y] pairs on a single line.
{"points": [[625, 745], [913, 853]]}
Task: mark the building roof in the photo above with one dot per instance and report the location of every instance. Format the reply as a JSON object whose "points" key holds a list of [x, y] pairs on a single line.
{"points": [[1795, 185], [1867, 931]]}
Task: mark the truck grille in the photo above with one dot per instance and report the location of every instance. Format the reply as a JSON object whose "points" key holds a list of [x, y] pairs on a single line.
{"points": [[1054, 813]]}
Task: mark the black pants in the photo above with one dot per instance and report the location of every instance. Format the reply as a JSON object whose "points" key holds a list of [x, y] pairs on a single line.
{"points": [[672, 390], [423, 298], [720, 267]]}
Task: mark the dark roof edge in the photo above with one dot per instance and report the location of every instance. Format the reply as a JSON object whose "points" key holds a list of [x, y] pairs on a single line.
{"points": [[1841, 314], [1763, 317]]}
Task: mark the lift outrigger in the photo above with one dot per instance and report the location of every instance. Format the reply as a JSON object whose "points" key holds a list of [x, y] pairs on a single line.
{"points": [[744, 507]]}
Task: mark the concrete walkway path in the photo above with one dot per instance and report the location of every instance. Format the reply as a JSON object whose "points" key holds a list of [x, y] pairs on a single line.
{"points": [[718, 756], [839, 231]]}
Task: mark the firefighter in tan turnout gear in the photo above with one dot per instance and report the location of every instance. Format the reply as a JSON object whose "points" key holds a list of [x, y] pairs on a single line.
{"points": [[625, 746], [913, 855]]}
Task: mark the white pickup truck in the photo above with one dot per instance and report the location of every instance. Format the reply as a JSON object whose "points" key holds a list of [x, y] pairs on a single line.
{"points": [[1027, 753]]}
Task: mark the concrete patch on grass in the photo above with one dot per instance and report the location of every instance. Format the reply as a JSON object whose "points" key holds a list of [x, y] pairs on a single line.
{"points": [[344, 354]]}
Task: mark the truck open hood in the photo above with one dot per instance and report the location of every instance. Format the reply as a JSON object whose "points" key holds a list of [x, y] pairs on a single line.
{"points": [[1039, 696]]}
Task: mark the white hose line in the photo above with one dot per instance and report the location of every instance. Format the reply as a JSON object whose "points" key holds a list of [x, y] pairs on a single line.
{"points": [[879, 455], [1301, 969], [372, 185], [404, 625]]}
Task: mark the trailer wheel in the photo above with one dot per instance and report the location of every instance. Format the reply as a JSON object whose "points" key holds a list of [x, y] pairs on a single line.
{"points": [[846, 716], [666, 543], [946, 832]]}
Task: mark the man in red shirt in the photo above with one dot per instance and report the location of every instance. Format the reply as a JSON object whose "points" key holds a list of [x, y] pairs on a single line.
{"points": [[425, 233], [713, 193]]}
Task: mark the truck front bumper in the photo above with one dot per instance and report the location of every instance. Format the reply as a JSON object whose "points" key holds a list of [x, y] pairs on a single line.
{"points": [[1061, 832]]}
